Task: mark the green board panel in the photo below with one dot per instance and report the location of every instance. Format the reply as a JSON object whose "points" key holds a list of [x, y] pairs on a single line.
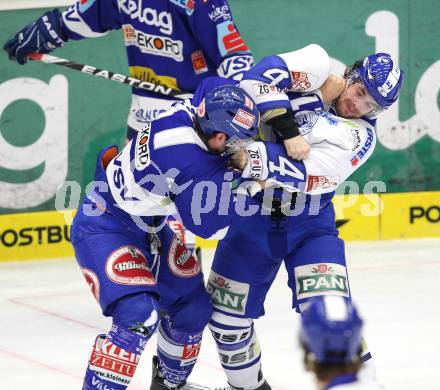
{"points": [[52, 131], [95, 112]]}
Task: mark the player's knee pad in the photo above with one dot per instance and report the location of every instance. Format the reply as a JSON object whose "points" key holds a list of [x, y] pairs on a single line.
{"points": [[115, 356], [138, 313], [238, 349], [193, 312]]}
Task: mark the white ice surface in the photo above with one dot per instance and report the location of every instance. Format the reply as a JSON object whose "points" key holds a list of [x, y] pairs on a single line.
{"points": [[48, 321]]}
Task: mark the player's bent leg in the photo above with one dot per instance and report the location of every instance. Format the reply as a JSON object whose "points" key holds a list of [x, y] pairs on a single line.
{"points": [[115, 355], [319, 268], [179, 340], [240, 278], [239, 351]]}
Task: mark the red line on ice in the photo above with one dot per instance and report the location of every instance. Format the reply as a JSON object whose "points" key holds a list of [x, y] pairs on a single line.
{"points": [[38, 363], [59, 316], [65, 318]]}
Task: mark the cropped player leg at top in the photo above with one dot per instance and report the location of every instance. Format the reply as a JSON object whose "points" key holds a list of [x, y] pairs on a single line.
{"points": [[318, 268], [242, 273], [186, 309]]}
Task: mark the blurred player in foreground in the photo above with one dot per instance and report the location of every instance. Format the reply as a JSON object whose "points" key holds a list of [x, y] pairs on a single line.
{"points": [[331, 337]]}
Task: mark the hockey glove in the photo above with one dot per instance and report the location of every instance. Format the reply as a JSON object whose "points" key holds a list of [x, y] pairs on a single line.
{"points": [[41, 36]]}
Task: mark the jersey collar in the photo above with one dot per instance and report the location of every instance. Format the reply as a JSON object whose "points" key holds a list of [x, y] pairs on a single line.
{"points": [[341, 380]]}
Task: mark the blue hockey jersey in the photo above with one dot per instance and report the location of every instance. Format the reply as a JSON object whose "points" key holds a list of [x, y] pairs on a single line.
{"points": [[166, 170], [174, 43]]}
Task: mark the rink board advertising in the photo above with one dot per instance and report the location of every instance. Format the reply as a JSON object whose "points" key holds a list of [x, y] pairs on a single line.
{"points": [[53, 121], [45, 235]]}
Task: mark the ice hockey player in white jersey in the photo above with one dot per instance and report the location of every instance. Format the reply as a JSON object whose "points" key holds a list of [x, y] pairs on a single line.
{"points": [[284, 85], [298, 226], [330, 336]]}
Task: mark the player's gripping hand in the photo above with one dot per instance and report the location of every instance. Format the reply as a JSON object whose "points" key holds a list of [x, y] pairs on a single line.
{"points": [[41, 36], [332, 88], [283, 123], [297, 147]]}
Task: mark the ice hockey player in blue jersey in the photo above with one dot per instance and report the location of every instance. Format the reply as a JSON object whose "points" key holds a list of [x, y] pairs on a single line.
{"points": [[140, 272], [330, 336], [297, 222], [175, 43]]}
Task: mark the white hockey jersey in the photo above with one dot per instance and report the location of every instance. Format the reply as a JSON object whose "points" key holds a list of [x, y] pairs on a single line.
{"points": [[338, 147]]}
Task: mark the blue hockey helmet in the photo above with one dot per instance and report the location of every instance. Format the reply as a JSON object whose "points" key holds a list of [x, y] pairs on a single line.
{"points": [[381, 77], [331, 330], [230, 110]]}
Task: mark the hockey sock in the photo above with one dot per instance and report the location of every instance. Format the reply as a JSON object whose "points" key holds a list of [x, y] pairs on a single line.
{"points": [[238, 349], [110, 366], [177, 351]]}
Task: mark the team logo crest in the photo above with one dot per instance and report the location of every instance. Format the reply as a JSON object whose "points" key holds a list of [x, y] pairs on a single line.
{"points": [[300, 81], [127, 265], [92, 280], [181, 260]]}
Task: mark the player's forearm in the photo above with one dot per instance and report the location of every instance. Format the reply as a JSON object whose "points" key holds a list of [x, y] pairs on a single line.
{"points": [[282, 123]]}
